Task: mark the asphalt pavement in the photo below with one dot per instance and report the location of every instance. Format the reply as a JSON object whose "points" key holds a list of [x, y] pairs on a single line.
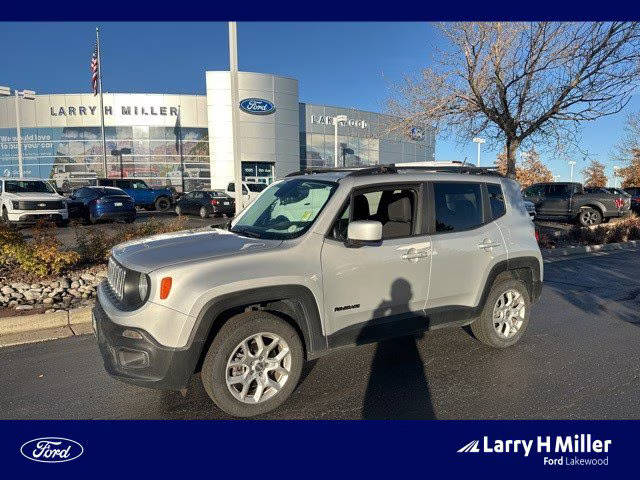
{"points": [[579, 359]]}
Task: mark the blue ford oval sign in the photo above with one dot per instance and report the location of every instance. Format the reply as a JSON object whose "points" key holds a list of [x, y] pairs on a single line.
{"points": [[257, 106], [51, 450]]}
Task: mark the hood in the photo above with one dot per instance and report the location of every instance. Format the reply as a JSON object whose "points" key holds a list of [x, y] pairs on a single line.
{"points": [[33, 196], [151, 253]]}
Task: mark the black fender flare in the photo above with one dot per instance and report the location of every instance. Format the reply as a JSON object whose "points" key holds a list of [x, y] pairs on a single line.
{"points": [[296, 302]]}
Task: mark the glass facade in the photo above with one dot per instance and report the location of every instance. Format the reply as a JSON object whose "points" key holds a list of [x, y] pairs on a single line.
{"points": [[365, 138], [72, 156]]}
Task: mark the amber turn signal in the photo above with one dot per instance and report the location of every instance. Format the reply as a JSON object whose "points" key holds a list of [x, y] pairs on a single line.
{"points": [[165, 287]]}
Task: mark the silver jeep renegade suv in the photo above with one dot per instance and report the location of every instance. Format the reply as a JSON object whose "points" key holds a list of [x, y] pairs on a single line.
{"points": [[320, 260]]}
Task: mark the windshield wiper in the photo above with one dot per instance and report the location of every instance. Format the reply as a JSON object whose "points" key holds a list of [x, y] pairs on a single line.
{"points": [[245, 232]]}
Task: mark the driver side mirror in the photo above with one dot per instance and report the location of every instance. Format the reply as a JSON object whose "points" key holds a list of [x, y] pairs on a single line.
{"points": [[364, 232]]}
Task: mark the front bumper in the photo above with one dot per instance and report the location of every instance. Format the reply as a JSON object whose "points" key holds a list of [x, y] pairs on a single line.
{"points": [[142, 360], [32, 216]]}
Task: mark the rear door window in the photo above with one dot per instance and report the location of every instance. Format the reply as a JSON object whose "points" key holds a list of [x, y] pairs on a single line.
{"points": [[458, 206], [496, 200]]}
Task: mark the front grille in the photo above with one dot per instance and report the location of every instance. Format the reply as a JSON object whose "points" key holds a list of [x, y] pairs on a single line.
{"points": [[116, 277], [36, 205]]}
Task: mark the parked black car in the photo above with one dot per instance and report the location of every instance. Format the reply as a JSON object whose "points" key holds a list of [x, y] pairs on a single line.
{"points": [[94, 204], [570, 201], [635, 198], [205, 203]]}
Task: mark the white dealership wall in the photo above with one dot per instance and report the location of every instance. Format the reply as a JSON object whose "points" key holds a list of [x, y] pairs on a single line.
{"points": [[263, 138]]}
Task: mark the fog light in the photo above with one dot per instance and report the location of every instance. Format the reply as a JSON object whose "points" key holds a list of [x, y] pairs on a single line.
{"points": [[132, 334], [133, 358]]}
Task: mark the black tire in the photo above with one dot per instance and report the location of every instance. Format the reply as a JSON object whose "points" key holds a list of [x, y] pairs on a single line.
{"points": [[63, 223], [589, 217], [162, 204], [204, 213], [92, 220], [5, 215], [232, 333], [130, 219], [483, 328]]}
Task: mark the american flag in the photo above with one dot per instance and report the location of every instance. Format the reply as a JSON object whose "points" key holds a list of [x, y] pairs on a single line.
{"points": [[93, 68]]}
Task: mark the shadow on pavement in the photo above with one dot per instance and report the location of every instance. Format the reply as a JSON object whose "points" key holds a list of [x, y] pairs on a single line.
{"points": [[597, 287], [397, 387]]}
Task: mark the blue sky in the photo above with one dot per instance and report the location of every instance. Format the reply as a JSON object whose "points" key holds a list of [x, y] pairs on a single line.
{"points": [[347, 64]]}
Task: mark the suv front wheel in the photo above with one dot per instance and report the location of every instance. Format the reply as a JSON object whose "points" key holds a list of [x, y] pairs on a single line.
{"points": [[505, 315], [253, 364]]}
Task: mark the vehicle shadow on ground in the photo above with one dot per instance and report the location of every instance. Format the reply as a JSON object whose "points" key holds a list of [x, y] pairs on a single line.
{"points": [[397, 386], [596, 289]]}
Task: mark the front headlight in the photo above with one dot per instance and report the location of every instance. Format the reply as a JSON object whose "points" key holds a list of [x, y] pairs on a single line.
{"points": [[143, 286]]}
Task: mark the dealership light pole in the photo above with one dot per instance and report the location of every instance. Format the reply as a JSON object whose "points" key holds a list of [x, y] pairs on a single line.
{"points": [[572, 163], [337, 119], [235, 104], [27, 95], [616, 168], [479, 141]]}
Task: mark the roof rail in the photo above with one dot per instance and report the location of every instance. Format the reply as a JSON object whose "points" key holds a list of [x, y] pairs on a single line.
{"points": [[351, 171], [469, 169], [393, 168]]}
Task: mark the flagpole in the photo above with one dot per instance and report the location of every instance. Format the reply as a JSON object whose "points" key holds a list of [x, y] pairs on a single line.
{"points": [[104, 140]]}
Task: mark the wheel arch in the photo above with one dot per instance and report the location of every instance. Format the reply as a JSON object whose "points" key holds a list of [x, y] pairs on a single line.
{"points": [[293, 303], [595, 205], [526, 269]]}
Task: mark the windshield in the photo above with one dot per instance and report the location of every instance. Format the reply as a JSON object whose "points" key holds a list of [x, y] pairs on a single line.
{"points": [[27, 186], [285, 210]]}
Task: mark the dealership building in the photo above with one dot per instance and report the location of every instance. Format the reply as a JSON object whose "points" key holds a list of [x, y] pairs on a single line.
{"points": [[187, 140]]}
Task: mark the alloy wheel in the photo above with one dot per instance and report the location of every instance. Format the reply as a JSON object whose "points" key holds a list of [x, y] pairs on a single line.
{"points": [[258, 367], [509, 313], [590, 217]]}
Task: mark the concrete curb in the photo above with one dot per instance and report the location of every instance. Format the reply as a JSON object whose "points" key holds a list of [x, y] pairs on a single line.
{"points": [[44, 326], [581, 250]]}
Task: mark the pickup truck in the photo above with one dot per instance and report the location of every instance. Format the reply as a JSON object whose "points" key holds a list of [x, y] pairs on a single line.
{"points": [[144, 196], [570, 201]]}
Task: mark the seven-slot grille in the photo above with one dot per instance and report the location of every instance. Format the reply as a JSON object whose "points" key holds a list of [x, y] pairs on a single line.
{"points": [[38, 205], [116, 276]]}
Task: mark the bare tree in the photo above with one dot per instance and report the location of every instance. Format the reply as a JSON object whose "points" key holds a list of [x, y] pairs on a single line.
{"points": [[627, 151], [531, 171], [523, 82], [595, 175]]}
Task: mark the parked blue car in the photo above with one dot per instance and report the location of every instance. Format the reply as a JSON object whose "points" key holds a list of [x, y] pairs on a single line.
{"points": [[94, 204], [144, 196]]}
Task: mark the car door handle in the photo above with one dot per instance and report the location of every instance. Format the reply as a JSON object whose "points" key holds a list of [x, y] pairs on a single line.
{"points": [[411, 256]]}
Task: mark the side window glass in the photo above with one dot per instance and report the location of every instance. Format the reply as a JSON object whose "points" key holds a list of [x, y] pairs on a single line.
{"points": [[458, 206], [496, 200], [231, 187], [394, 209]]}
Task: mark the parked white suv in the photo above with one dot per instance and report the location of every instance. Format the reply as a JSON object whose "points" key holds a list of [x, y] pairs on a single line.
{"points": [[27, 200], [250, 191], [321, 260]]}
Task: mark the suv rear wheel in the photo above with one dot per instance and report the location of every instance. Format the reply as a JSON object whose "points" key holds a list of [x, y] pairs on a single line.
{"points": [[253, 364], [505, 315]]}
